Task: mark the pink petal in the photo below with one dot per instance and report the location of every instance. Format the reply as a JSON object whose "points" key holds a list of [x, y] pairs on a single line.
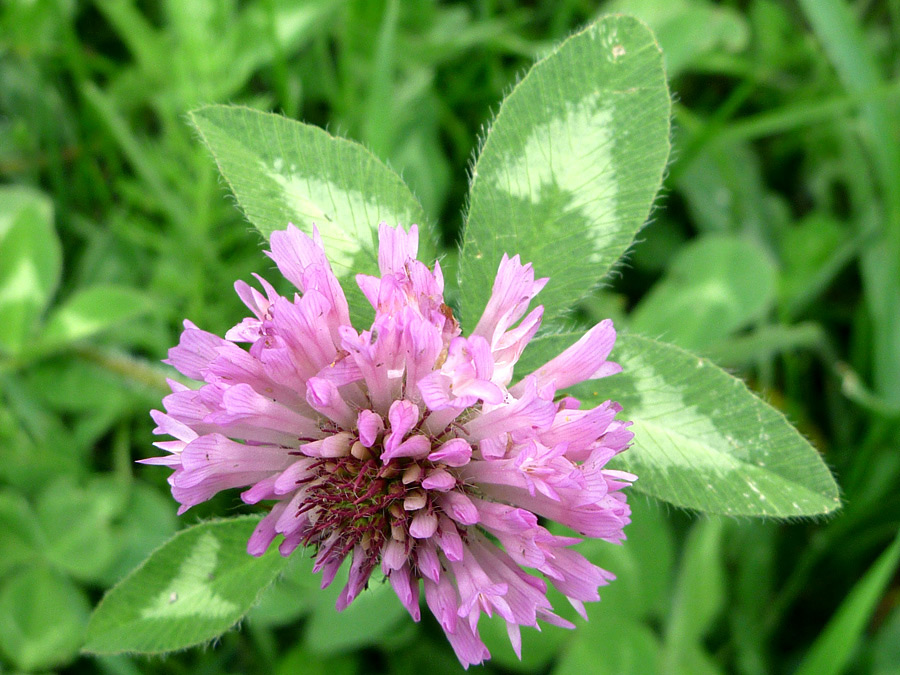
{"points": [[455, 452], [585, 360], [370, 425], [423, 525], [396, 247]]}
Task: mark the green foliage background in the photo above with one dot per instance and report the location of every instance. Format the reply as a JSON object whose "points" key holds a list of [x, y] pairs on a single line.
{"points": [[774, 250]]}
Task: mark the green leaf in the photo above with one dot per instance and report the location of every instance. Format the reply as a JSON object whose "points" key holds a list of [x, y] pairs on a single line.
{"points": [[90, 311], [702, 440], [570, 166], [832, 650], [191, 590], [30, 265], [43, 617], [714, 286], [282, 171]]}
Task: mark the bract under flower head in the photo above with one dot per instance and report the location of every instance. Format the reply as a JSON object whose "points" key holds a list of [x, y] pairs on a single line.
{"points": [[403, 446]]}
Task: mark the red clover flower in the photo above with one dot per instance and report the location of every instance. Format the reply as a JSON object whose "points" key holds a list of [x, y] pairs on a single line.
{"points": [[404, 446]]}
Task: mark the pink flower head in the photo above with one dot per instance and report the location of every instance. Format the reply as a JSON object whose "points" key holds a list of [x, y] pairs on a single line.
{"points": [[401, 446]]}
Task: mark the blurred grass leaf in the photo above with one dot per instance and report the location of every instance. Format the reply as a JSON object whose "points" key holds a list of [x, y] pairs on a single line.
{"points": [[424, 655], [282, 171], [145, 523], [857, 66], [191, 590], [19, 534], [611, 645], [538, 648], [765, 343], [77, 525], [753, 549], [714, 286], [34, 26], [293, 594], [207, 51], [15, 198], [75, 386], [90, 311], [643, 567], [640, 592], [699, 593], [694, 659], [30, 266], [813, 253], [299, 659], [886, 646], [570, 166], [43, 617], [688, 30], [832, 650], [34, 444], [702, 439], [723, 184], [372, 617]]}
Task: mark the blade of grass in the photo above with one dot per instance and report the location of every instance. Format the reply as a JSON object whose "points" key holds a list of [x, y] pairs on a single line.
{"points": [[850, 52], [834, 265], [796, 115], [831, 652], [719, 129], [289, 98], [765, 342], [377, 127], [135, 31], [711, 129], [106, 111], [137, 371]]}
